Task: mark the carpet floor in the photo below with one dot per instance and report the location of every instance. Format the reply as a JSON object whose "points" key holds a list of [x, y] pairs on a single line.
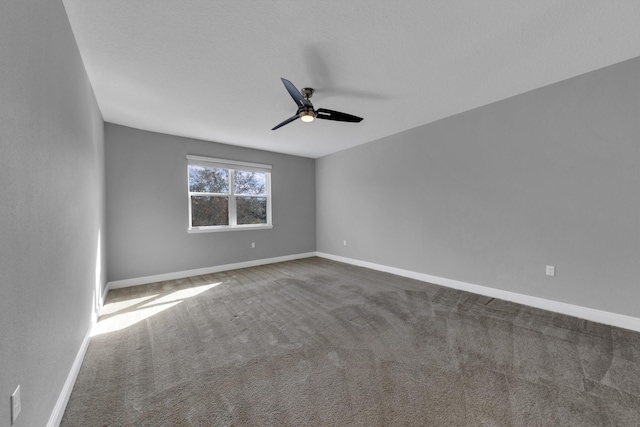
{"points": [[314, 342]]}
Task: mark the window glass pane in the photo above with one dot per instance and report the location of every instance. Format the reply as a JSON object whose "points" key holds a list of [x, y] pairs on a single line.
{"points": [[209, 210], [248, 182], [208, 180], [251, 210]]}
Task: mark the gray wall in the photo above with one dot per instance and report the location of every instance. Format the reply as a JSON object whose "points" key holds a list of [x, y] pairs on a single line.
{"points": [[52, 209], [147, 206], [492, 195]]}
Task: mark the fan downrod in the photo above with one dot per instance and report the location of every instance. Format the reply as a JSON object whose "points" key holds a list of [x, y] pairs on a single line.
{"points": [[307, 92]]}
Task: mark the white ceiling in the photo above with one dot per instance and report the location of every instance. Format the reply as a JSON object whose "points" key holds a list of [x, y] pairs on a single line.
{"points": [[211, 69]]}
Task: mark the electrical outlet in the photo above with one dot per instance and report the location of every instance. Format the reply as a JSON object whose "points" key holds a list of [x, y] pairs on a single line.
{"points": [[253, 245], [551, 270], [344, 242], [15, 405]]}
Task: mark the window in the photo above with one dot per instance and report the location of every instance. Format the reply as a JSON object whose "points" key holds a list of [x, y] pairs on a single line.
{"points": [[228, 195]]}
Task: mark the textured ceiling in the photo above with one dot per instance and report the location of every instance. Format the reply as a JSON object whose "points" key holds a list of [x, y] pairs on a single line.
{"points": [[211, 69]]}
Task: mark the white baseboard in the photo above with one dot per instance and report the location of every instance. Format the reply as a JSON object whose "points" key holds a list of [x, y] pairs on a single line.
{"points": [[65, 394], [199, 271], [608, 318]]}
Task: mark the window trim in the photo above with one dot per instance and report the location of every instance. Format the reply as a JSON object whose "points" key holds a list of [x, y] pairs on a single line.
{"points": [[232, 166]]}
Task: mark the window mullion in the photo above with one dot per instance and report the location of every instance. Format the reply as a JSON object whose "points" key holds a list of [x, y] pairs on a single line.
{"points": [[196, 193], [190, 211], [268, 195], [233, 218]]}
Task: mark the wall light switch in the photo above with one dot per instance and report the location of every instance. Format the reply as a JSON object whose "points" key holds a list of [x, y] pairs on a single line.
{"points": [[253, 244], [344, 242], [551, 270]]}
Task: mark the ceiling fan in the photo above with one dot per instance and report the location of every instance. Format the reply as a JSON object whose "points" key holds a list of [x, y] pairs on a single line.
{"points": [[307, 113]]}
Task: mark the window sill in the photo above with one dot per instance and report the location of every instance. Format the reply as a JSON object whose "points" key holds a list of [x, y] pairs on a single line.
{"points": [[225, 228]]}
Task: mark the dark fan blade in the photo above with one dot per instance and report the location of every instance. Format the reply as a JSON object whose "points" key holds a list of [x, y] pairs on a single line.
{"points": [[325, 114], [289, 120], [295, 93]]}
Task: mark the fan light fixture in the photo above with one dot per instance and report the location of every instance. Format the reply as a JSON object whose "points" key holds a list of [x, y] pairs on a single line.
{"points": [[307, 116]]}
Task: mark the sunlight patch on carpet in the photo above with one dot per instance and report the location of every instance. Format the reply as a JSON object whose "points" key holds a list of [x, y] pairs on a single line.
{"points": [[136, 310]]}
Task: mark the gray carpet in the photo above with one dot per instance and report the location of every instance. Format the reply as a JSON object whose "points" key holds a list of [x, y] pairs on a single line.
{"points": [[319, 343]]}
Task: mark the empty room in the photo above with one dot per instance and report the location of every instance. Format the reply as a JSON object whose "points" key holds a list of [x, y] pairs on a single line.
{"points": [[364, 213]]}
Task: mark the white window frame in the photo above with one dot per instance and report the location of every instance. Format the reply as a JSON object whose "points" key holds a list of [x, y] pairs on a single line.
{"points": [[232, 166]]}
